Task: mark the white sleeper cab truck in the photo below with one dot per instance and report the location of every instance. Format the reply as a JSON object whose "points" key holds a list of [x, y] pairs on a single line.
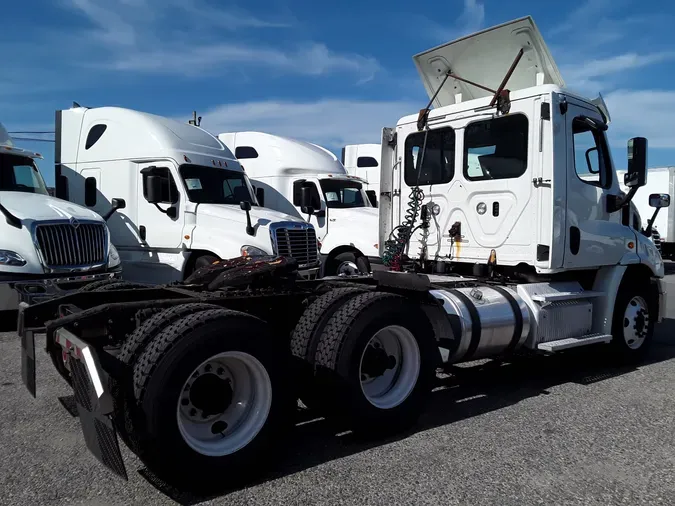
{"points": [[363, 160], [188, 201], [660, 179], [515, 254], [48, 246], [285, 171]]}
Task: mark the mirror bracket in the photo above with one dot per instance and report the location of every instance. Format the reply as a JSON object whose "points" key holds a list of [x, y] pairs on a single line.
{"points": [[246, 206]]}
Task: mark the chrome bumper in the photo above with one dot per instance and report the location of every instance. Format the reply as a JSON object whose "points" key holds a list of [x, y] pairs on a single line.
{"points": [[34, 291]]}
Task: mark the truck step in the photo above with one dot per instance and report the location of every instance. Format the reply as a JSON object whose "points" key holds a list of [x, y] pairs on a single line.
{"points": [[574, 342], [560, 296]]}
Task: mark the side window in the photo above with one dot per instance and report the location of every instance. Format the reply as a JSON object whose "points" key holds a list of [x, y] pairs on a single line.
{"points": [[366, 161], [313, 192], [243, 152], [591, 157], [94, 135], [169, 190], [431, 162], [496, 148]]}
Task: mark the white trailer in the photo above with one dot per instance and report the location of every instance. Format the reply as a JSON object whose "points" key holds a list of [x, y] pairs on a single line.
{"points": [[188, 201], [363, 160], [48, 246], [340, 209], [515, 254], [659, 180]]}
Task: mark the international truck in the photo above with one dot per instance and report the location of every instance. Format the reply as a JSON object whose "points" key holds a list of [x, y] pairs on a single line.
{"points": [[660, 179], [48, 247], [188, 201], [342, 211], [519, 255], [363, 160]]}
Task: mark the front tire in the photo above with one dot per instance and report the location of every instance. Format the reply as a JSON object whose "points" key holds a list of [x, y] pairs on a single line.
{"points": [[635, 313], [349, 263], [212, 399]]}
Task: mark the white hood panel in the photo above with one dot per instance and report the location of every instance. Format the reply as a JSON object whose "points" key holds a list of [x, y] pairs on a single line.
{"points": [[485, 58], [36, 207]]}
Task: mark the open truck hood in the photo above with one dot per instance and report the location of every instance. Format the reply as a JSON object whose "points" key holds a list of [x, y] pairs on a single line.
{"points": [[485, 58]]}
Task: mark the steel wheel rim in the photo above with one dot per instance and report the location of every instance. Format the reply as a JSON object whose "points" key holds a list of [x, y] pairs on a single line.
{"points": [[395, 384], [636, 322], [347, 268], [239, 384]]}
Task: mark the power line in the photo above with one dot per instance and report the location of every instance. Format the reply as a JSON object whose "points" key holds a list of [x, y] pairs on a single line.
{"points": [[33, 132], [33, 139]]}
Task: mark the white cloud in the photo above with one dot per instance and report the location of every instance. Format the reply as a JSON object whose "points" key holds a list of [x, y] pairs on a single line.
{"points": [[186, 37], [331, 123], [471, 19], [642, 113], [314, 59]]}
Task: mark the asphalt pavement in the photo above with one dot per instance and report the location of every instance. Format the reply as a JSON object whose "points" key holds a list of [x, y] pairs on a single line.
{"points": [[546, 430]]}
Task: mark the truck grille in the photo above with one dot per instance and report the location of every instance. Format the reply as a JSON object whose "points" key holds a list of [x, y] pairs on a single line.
{"points": [[66, 245], [297, 243]]}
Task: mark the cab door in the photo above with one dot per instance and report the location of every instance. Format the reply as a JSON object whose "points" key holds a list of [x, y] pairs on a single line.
{"points": [[593, 235]]}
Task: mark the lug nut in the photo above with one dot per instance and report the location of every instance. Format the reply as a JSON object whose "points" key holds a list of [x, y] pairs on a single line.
{"points": [[220, 371], [193, 412], [207, 367]]}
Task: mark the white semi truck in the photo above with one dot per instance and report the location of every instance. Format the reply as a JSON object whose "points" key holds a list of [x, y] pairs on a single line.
{"points": [[48, 246], [341, 209], [659, 180], [188, 201], [363, 160], [519, 255]]}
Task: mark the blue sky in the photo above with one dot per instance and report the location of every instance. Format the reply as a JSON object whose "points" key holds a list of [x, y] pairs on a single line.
{"points": [[329, 72]]}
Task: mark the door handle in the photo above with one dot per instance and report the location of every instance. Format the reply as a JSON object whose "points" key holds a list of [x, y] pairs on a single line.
{"points": [[141, 232], [539, 181]]}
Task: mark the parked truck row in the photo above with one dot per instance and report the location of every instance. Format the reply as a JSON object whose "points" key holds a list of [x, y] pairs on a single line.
{"points": [[501, 220]]}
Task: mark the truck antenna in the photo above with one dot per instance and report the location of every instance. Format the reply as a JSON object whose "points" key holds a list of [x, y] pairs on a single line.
{"points": [[501, 96], [196, 121]]}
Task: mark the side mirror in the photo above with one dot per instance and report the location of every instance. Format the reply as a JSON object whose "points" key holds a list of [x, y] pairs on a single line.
{"points": [[115, 204], [90, 192], [659, 200], [306, 200], [372, 196], [246, 206], [636, 174], [260, 196], [154, 189], [61, 187]]}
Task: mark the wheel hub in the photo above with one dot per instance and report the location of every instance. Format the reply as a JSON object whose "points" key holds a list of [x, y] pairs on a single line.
{"points": [[376, 361], [211, 394], [347, 269]]}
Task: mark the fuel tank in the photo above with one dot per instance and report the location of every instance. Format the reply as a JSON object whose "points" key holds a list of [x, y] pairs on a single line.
{"points": [[486, 321]]}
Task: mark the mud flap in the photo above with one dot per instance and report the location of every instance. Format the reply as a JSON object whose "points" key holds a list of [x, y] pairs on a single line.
{"points": [[28, 360], [94, 412]]}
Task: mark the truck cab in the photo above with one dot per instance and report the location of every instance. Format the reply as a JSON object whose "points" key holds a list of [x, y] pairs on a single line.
{"points": [[525, 179], [188, 201], [49, 246], [338, 204]]}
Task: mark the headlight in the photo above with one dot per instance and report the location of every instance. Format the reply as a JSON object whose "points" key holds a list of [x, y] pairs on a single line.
{"points": [[11, 258], [252, 251], [113, 256]]}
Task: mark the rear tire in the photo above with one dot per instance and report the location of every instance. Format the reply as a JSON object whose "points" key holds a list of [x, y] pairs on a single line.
{"points": [[173, 364], [306, 335], [132, 348], [377, 393]]}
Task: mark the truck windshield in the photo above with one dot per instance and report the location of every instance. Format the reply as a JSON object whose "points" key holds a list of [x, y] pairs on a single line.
{"points": [[211, 185], [20, 174], [341, 194]]}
